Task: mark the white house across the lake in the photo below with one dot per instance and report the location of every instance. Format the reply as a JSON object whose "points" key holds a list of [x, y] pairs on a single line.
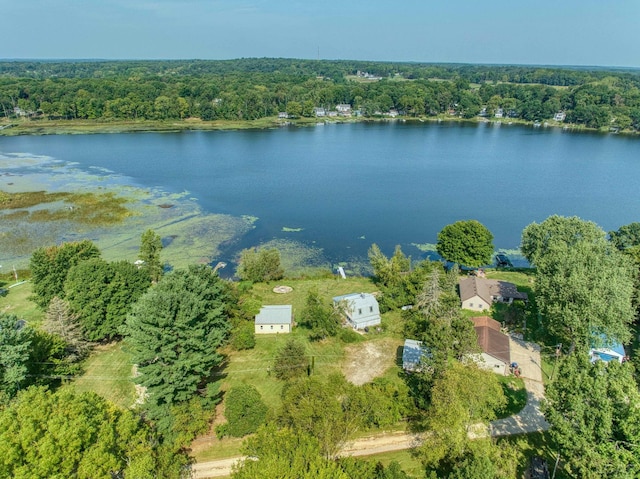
{"points": [[361, 309]]}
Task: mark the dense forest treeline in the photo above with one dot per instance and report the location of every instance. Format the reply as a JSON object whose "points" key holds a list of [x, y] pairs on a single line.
{"points": [[249, 89]]}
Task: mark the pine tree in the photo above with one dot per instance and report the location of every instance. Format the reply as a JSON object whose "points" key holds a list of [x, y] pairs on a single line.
{"points": [[61, 321]]}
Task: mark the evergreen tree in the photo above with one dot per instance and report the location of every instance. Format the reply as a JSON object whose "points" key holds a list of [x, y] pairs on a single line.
{"points": [[15, 345], [175, 330], [244, 409], [62, 322], [150, 248], [291, 361]]}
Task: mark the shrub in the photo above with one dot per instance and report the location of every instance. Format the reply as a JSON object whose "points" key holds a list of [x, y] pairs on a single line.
{"points": [[245, 410]]}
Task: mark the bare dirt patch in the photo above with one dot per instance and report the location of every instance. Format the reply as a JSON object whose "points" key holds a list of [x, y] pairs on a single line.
{"points": [[368, 360]]}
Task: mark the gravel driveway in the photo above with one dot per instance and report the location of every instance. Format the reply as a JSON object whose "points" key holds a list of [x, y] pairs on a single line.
{"points": [[530, 419]]}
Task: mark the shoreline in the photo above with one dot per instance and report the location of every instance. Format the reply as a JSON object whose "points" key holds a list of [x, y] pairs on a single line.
{"points": [[88, 127]]}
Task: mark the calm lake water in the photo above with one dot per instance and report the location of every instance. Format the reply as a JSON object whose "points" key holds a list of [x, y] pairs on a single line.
{"points": [[347, 186]]}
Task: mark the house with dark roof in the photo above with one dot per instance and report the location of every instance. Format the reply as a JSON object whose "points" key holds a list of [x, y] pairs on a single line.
{"points": [[495, 345], [412, 354], [274, 319], [478, 294], [360, 309]]}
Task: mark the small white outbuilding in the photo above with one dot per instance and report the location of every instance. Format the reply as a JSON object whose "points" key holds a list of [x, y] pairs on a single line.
{"points": [[274, 319]]}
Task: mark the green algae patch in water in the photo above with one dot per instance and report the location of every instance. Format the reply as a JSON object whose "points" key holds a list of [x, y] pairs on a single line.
{"points": [[44, 202]]}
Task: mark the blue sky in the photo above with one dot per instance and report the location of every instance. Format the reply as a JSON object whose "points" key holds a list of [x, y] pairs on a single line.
{"points": [[558, 32]]}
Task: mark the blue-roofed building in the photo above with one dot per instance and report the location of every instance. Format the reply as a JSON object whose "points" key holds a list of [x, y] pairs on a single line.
{"points": [[608, 352], [361, 309], [412, 354], [274, 319]]}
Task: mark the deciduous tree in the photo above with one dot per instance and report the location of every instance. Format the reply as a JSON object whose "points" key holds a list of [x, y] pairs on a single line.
{"points": [[320, 318], [101, 294], [50, 266], [462, 396], [468, 243], [260, 265], [538, 238], [626, 236], [64, 434], [594, 412], [585, 290]]}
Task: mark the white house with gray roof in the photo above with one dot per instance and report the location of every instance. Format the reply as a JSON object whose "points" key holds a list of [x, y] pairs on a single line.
{"points": [[360, 309], [274, 319]]}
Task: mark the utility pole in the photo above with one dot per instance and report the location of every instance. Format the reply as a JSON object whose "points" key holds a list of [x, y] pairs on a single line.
{"points": [[555, 364]]}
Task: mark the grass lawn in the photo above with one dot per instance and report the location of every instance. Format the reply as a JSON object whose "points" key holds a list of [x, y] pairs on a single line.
{"points": [[108, 373], [515, 393], [262, 293], [405, 458], [17, 302], [534, 444]]}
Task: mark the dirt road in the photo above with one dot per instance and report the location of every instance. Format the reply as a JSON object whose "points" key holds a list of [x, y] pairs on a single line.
{"points": [[361, 447]]}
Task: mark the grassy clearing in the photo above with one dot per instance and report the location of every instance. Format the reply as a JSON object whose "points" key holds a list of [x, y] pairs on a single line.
{"points": [[108, 373], [534, 444], [515, 393], [327, 288], [217, 449], [17, 301], [409, 463]]}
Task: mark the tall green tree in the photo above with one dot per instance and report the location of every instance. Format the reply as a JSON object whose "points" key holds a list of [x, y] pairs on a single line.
{"points": [[594, 412], [63, 322], [320, 318], [101, 294], [321, 408], [538, 238], [468, 243], [291, 361], [50, 267], [15, 346], [150, 248], [462, 396], [175, 330], [626, 236], [260, 265], [285, 454], [245, 410], [585, 290], [45, 435]]}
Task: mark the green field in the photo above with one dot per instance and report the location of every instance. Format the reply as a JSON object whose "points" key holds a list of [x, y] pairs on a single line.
{"points": [[107, 372], [17, 301]]}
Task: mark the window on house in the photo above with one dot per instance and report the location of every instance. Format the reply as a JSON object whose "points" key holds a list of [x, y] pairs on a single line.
{"points": [[471, 305], [282, 326], [359, 311], [371, 309], [261, 327], [272, 326]]}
